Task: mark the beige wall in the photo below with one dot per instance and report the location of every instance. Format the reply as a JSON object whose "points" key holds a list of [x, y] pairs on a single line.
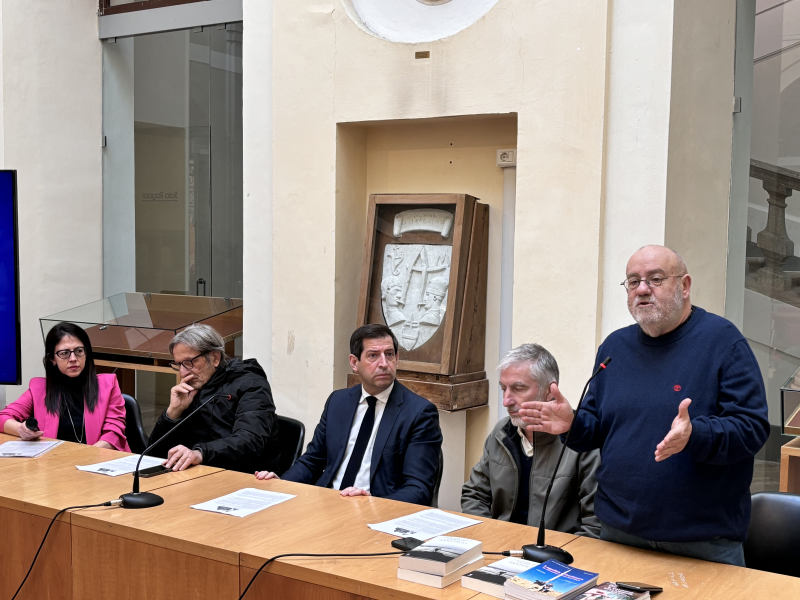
{"points": [[639, 140], [456, 155], [51, 134], [700, 142], [544, 62]]}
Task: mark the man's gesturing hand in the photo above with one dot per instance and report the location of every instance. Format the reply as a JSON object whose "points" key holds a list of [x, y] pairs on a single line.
{"points": [[552, 417], [180, 398], [678, 435]]}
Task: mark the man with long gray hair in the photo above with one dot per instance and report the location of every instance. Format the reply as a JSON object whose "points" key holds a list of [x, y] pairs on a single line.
{"points": [[240, 433], [510, 480]]}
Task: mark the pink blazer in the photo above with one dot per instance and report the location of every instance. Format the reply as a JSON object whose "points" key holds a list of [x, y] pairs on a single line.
{"points": [[106, 423]]}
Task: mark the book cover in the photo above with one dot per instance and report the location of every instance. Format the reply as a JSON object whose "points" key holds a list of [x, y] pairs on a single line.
{"points": [[441, 555], [442, 548], [610, 591], [492, 578], [501, 571], [551, 579]]}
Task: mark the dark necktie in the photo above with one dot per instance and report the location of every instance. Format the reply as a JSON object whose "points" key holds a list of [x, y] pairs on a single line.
{"points": [[354, 464]]}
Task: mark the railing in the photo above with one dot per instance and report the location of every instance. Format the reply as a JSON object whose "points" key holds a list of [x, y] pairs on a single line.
{"points": [[772, 277]]}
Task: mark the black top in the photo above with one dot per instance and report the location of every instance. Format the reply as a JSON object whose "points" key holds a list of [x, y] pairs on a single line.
{"points": [[240, 434], [520, 512], [72, 407]]}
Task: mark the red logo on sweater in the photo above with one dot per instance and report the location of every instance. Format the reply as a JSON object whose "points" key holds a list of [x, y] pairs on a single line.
{"points": [[677, 388]]}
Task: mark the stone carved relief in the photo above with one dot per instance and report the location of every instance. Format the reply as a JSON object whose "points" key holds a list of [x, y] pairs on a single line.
{"points": [[414, 283], [423, 219]]}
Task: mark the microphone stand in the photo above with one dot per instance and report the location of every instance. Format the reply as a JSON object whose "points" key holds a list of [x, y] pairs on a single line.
{"points": [[540, 552], [136, 499]]}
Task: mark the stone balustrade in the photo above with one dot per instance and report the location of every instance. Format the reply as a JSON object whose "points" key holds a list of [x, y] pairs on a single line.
{"points": [[773, 241]]}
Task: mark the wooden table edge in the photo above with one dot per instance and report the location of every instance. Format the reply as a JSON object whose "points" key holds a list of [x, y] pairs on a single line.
{"points": [[85, 520], [312, 575]]}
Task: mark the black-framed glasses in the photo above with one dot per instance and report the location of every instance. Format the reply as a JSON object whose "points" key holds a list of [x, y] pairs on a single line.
{"points": [[79, 352], [187, 364], [633, 283]]}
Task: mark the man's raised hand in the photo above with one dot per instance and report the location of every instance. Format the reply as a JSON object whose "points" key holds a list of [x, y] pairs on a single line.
{"points": [[180, 398], [553, 417], [678, 435]]}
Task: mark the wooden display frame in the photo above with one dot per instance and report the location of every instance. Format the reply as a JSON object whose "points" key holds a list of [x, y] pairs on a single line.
{"points": [[456, 380], [465, 316]]}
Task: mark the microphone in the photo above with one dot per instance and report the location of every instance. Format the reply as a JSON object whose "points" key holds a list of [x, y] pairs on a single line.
{"points": [[136, 499], [540, 552], [32, 424]]}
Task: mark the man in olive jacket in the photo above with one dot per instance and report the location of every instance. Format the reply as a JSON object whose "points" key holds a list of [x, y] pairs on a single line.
{"points": [[510, 481]]}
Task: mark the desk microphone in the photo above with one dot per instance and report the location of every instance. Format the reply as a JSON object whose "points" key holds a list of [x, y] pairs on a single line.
{"points": [[540, 552], [137, 499]]}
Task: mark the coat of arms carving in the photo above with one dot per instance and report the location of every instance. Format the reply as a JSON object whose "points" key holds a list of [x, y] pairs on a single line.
{"points": [[414, 290]]}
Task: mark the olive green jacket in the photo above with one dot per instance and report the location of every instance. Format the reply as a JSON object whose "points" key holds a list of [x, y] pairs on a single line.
{"points": [[492, 487]]}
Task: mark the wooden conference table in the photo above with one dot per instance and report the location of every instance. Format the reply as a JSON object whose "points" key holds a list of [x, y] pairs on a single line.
{"points": [[174, 552]]}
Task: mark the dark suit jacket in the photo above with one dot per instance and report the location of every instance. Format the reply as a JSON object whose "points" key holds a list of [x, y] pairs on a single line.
{"points": [[405, 457]]}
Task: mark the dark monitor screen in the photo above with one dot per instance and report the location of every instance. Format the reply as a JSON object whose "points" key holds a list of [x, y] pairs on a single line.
{"points": [[10, 354]]}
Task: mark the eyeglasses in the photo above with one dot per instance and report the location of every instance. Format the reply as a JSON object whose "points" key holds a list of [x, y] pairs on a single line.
{"points": [[186, 364], [79, 352], [651, 282]]}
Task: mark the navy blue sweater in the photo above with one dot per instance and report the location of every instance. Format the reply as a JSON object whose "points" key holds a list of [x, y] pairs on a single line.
{"points": [[704, 491]]}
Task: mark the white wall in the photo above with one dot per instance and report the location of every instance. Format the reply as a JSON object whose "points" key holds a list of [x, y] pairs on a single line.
{"points": [[637, 143], [257, 116], [51, 63]]}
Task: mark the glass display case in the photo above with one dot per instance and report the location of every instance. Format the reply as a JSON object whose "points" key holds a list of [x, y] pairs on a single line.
{"points": [[137, 327], [790, 405]]}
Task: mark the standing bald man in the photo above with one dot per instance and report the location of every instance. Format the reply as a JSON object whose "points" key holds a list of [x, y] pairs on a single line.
{"points": [[678, 417]]}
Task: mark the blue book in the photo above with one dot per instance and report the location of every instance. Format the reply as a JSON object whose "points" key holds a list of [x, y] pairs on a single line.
{"points": [[550, 580]]}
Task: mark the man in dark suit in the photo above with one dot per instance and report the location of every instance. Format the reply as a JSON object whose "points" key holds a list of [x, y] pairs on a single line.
{"points": [[377, 438]]}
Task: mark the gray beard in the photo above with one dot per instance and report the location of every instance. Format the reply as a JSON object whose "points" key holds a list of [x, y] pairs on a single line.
{"points": [[518, 422], [661, 312]]}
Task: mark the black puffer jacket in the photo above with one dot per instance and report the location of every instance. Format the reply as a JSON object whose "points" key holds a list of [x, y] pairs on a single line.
{"points": [[240, 434]]}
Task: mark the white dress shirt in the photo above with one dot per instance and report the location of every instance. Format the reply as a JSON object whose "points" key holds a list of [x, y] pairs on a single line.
{"points": [[527, 447], [363, 476]]}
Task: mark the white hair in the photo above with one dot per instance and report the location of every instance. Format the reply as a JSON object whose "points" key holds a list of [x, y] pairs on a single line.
{"points": [[202, 339], [543, 365]]}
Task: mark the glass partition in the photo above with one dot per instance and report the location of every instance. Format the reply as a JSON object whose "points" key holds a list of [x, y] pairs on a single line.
{"points": [[771, 316], [172, 166]]}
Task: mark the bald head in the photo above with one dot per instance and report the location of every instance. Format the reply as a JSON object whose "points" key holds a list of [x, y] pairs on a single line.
{"points": [[668, 260], [658, 289]]}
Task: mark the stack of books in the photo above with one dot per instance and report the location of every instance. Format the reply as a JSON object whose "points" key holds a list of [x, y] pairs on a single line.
{"points": [[550, 580], [440, 561], [492, 578], [610, 591]]}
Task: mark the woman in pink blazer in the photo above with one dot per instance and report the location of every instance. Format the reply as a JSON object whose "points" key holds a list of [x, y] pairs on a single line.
{"points": [[72, 402]]}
